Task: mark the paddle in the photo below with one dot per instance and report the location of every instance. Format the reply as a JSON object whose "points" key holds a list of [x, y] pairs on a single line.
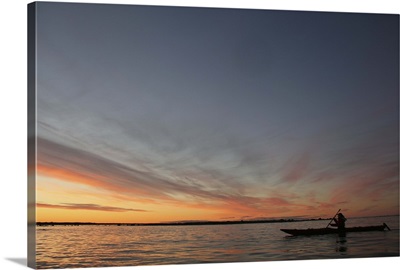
{"points": [[333, 218]]}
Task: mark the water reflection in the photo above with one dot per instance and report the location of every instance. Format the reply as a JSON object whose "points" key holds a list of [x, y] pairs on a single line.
{"points": [[101, 246], [341, 244]]}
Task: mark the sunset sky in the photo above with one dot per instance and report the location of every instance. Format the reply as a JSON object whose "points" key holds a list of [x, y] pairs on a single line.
{"points": [[155, 114]]}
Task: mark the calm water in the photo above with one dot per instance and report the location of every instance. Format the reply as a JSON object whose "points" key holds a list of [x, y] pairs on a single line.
{"points": [[99, 246]]}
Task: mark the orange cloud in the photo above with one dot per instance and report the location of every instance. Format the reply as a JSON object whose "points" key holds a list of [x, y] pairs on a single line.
{"points": [[87, 178], [77, 206]]}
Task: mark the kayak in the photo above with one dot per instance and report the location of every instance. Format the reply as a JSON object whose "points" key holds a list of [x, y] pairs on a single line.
{"points": [[335, 231]]}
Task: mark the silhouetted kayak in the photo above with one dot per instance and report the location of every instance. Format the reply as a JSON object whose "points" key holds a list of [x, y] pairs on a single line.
{"points": [[335, 231]]}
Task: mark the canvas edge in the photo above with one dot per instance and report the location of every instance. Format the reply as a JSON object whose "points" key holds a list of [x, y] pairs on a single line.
{"points": [[31, 207], [32, 124]]}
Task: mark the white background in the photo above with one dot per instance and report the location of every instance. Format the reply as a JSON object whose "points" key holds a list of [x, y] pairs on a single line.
{"points": [[13, 42]]}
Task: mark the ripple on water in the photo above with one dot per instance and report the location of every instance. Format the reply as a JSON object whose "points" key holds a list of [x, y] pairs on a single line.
{"points": [[96, 246]]}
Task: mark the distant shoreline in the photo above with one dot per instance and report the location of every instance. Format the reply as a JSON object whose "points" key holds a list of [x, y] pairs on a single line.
{"points": [[185, 223]]}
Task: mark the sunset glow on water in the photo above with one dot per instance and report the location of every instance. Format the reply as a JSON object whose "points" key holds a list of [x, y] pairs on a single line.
{"points": [[91, 246]]}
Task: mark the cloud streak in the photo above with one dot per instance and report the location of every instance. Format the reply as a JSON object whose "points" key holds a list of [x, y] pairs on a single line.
{"points": [[194, 191], [212, 190], [95, 207]]}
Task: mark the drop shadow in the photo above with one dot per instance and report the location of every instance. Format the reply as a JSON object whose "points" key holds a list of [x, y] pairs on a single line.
{"points": [[20, 261]]}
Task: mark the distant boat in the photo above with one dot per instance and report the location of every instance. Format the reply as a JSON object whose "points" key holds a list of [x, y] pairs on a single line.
{"points": [[335, 231]]}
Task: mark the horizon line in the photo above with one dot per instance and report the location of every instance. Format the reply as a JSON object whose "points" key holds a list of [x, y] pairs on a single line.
{"points": [[194, 222]]}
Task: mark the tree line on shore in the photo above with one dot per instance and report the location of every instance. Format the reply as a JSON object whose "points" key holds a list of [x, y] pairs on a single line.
{"points": [[178, 223]]}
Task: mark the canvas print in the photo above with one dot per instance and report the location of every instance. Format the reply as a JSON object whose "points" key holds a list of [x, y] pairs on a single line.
{"points": [[180, 135]]}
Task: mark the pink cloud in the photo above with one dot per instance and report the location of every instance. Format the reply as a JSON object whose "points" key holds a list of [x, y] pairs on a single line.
{"points": [[296, 169]]}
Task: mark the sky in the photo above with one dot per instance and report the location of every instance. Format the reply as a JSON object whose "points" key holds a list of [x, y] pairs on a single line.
{"points": [[156, 114]]}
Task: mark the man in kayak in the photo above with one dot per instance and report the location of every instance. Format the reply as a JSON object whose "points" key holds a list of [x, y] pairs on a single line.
{"points": [[340, 222]]}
